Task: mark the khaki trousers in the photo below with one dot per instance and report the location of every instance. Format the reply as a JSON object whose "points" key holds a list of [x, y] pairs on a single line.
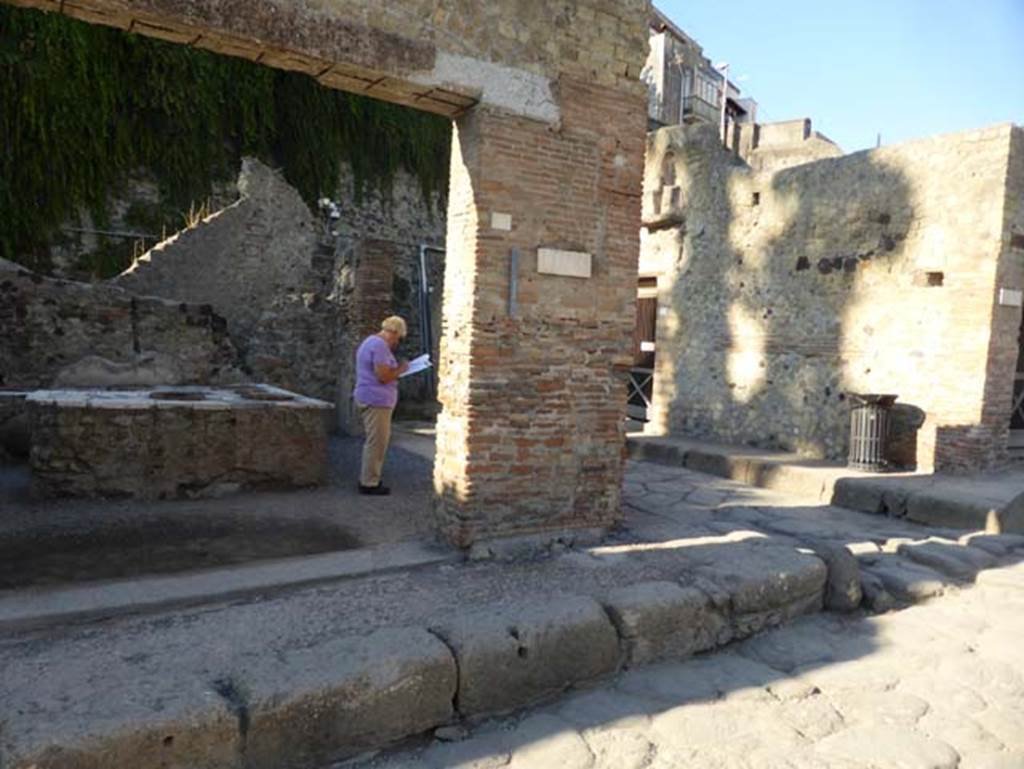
{"points": [[377, 426]]}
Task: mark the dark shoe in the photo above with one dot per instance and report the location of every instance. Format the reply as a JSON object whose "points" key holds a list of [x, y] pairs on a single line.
{"points": [[379, 490]]}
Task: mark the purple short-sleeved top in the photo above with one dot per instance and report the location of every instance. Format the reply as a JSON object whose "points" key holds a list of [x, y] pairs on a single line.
{"points": [[369, 391]]}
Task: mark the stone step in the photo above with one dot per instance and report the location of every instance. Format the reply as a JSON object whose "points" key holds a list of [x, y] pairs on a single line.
{"points": [[917, 497], [908, 571]]}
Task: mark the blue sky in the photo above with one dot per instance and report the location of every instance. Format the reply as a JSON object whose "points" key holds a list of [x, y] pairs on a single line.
{"points": [[902, 68]]}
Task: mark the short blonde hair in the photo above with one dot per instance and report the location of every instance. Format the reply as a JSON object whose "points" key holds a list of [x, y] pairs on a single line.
{"points": [[395, 324]]}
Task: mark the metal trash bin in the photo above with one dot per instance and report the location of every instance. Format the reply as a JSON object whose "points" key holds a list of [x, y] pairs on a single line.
{"points": [[869, 431]]}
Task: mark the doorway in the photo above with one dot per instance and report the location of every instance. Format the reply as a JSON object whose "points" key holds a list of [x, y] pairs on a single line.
{"points": [[1017, 411], [641, 374]]}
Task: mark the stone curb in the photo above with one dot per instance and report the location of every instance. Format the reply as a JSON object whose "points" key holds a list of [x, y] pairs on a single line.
{"points": [[515, 656], [306, 707], [661, 620], [309, 707], [379, 689], [909, 571]]}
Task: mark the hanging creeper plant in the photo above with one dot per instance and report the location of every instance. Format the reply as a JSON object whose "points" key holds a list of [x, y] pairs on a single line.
{"points": [[83, 107]]}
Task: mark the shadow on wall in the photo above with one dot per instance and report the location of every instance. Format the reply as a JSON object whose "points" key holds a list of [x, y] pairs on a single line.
{"points": [[825, 288], [789, 290]]}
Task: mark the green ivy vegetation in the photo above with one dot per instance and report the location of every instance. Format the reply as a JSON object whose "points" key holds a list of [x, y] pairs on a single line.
{"points": [[82, 107]]}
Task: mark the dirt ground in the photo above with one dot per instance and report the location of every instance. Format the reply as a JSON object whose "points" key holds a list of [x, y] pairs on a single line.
{"points": [[47, 542]]}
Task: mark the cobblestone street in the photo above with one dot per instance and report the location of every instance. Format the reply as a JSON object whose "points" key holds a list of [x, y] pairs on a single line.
{"points": [[936, 684], [939, 684]]}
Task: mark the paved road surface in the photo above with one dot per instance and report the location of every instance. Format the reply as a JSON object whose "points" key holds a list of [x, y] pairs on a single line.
{"points": [[940, 684]]}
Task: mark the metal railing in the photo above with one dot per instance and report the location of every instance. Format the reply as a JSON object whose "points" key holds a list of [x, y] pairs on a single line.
{"points": [[640, 384]]}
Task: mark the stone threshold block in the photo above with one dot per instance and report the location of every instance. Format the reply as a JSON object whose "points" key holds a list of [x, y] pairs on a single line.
{"points": [[168, 442]]}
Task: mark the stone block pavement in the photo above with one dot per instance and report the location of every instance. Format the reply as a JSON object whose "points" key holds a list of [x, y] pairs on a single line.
{"points": [[316, 676], [934, 685]]}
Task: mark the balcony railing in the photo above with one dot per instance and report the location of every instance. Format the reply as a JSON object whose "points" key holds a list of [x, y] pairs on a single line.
{"points": [[697, 109], [641, 385]]}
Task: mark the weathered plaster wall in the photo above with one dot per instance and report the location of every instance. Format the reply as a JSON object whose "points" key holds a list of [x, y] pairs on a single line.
{"points": [[668, 54], [47, 326], [874, 272]]}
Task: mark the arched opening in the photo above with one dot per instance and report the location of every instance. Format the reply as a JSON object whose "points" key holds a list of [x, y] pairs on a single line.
{"points": [[541, 232]]}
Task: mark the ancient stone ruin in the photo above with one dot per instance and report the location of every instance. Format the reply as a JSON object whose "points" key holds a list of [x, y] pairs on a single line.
{"points": [[166, 442], [789, 277], [299, 290], [262, 290], [542, 236]]}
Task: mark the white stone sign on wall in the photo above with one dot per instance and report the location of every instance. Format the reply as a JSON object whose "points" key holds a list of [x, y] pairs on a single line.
{"points": [[1009, 297], [554, 261]]}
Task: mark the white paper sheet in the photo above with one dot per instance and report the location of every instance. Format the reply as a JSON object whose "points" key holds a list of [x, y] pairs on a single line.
{"points": [[416, 365]]}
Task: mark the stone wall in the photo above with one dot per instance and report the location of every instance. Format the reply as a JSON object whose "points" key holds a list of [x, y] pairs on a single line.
{"points": [[240, 258], [15, 441], [285, 279], [785, 291], [404, 218], [367, 300], [441, 57], [49, 326], [135, 217], [783, 144], [1006, 342], [175, 442], [261, 264], [550, 118]]}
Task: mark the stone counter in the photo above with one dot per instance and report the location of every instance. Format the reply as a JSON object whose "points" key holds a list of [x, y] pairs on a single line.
{"points": [[170, 442]]}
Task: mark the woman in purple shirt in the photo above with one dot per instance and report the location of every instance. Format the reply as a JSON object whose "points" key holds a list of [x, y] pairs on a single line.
{"points": [[376, 394]]}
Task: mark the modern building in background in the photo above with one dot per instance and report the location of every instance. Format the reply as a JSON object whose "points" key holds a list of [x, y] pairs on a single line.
{"points": [[683, 85]]}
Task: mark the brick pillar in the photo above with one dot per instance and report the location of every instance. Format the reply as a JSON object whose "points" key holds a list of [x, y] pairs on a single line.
{"points": [[372, 269], [530, 439]]}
